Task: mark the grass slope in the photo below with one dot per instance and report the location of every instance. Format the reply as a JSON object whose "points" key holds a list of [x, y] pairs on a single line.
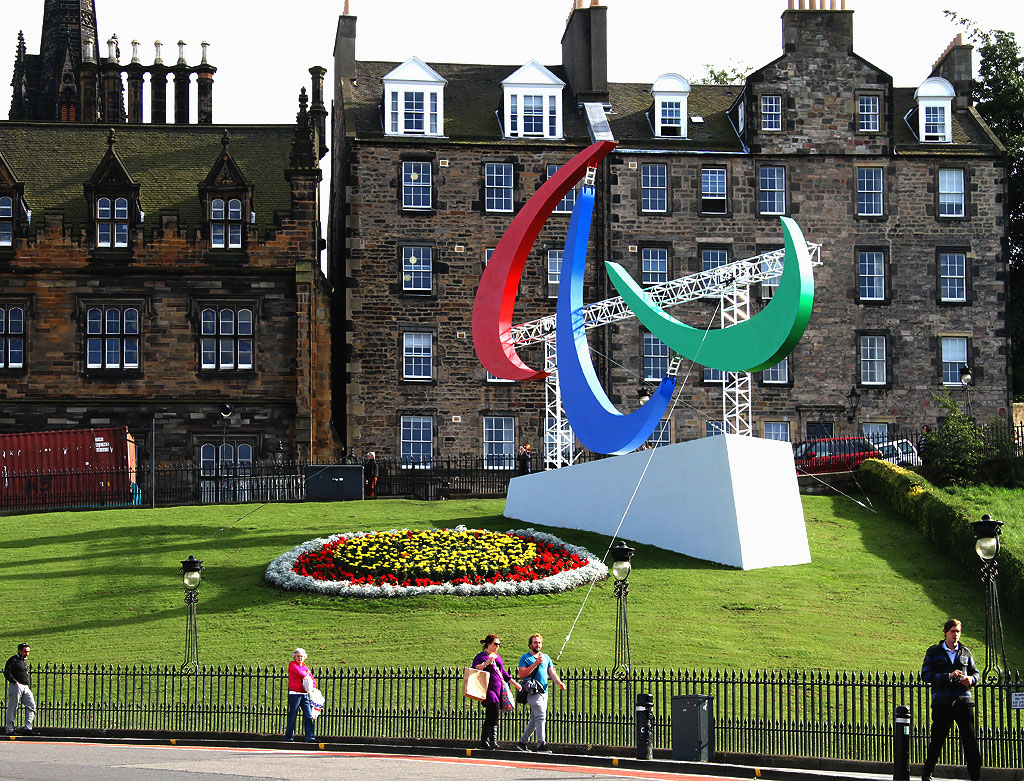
{"points": [[104, 587]]}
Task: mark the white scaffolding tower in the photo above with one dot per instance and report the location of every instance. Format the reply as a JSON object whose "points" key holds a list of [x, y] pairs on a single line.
{"points": [[730, 283]]}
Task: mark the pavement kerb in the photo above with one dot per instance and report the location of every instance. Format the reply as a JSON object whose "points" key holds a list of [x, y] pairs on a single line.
{"points": [[748, 766]]}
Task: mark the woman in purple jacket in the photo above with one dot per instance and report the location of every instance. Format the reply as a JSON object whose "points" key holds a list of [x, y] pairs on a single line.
{"points": [[489, 660]]}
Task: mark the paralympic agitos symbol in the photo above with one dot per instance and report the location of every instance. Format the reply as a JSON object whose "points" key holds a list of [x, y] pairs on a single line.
{"points": [[751, 345]]}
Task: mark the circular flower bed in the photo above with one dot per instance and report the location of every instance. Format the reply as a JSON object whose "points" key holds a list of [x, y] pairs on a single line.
{"points": [[458, 561]]}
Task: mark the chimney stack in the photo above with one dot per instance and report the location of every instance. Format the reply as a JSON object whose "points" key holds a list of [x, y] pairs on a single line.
{"points": [[585, 53]]}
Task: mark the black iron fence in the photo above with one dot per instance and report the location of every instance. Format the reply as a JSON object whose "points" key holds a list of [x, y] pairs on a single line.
{"points": [[436, 477], [782, 713]]}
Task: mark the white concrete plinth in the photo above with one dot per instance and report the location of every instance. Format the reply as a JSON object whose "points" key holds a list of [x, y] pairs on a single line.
{"points": [[728, 499]]}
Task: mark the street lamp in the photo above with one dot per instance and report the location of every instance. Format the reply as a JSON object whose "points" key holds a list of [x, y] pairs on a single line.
{"points": [[621, 567], [853, 399], [987, 532], [967, 380], [191, 575]]}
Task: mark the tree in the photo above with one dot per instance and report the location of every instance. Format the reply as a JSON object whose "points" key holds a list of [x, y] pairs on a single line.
{"points": [[733, 73], [999, 98]]}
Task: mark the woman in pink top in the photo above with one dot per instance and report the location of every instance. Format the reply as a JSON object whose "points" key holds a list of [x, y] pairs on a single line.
{"points": [[300, 683]]}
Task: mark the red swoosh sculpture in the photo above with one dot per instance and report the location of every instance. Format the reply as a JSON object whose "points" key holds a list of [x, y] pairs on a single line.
{"points": [[496, 296]]}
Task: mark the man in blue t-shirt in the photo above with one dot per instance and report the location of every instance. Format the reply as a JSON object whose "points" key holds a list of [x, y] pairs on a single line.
{"points": [[537, 666]]}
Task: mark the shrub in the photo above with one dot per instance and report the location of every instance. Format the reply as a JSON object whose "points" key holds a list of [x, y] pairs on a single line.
{"points": [[944, 520], [955, 452]]}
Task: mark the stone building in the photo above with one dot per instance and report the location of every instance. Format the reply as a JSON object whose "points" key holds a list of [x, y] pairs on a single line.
{"points": [[904, 187], [151, 273]]}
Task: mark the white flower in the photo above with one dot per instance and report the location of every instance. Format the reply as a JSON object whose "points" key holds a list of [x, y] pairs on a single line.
{"points": [[280, 573]]}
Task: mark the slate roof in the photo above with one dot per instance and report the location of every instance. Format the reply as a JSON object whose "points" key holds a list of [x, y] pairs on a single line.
{"points": [[472, 99], [54, 161]]}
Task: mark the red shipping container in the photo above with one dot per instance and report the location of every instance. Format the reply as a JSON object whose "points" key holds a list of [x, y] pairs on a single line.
{"points": [[72, 468]]}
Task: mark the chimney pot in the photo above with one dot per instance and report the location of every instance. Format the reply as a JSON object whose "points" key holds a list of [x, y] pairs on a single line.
{"points": [[181, 53], [206, 47], [135, 51], [157, 57]]}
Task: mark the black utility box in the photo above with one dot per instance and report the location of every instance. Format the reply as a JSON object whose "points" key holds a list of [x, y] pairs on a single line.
{"points": [[693, 727], [334, 482]]}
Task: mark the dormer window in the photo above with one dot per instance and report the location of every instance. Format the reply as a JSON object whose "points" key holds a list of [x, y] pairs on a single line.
{"points": [[111, 222], [669, 113], [414, 100], [6, 221], [935, 111], [226, 223], [532, 104]]}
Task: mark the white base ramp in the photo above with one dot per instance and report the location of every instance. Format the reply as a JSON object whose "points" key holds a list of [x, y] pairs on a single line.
{"points": [[728, 499]]}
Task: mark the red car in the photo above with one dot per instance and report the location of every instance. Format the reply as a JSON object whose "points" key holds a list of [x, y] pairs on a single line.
{"points": [[838, 454]]}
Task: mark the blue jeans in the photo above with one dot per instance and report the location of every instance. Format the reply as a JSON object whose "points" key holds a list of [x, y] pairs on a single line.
{"points": [[294, 702]]}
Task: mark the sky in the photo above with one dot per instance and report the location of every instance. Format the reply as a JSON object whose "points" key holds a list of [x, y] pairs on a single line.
{"points": [[263, 54]]}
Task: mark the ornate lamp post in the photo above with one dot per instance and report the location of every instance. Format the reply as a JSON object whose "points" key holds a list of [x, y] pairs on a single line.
{"points": [[621, 567], [191, 571], [967, 380], [853, 398], [987, 532]]}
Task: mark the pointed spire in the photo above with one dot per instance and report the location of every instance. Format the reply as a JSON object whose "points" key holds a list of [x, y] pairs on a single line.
{"points": [[111, 139], [225, 139], [303, 153]]}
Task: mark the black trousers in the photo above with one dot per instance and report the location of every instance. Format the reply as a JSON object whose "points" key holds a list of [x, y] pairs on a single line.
{"points": [[490, 723], [960, 710]]}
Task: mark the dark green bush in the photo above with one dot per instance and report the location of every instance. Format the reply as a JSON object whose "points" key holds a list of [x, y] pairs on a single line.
{"points": [[944, 520]]}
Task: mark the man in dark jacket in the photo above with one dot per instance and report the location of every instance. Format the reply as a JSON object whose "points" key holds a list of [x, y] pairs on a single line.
{"points": [[949, 668], [16, 673]]}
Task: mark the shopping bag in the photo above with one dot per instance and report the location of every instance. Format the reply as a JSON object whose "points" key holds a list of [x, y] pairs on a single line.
{"points": [[316, 702], [507, 703], [475, 683]]}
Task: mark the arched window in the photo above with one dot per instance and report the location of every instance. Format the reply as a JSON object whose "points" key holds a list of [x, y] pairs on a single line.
{"points": [[226, 224], [112, 338], [12, 337], [6, 221], [226, 338], [111, 222]]}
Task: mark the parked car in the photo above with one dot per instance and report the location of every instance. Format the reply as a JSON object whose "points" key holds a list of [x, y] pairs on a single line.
{"points": [[837, 454], [900, 452]]}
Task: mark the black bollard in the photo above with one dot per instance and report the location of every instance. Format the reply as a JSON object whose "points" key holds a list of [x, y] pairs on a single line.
{"points": [[644, 726], [901, 744]]}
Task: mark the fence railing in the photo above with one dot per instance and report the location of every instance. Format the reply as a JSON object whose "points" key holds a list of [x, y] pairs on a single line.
{"points": [[430, 477], [834, 715]]}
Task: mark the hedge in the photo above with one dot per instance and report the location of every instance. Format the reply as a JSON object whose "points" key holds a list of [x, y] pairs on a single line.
{"points": [[945, 521]]}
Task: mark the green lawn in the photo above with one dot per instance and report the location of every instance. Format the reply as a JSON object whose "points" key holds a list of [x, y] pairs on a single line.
{"points": [[104, 587], [1003, 504]]}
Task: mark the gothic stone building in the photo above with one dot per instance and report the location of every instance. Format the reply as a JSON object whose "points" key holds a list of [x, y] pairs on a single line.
{"points": [[150, 273], [904, 187]]}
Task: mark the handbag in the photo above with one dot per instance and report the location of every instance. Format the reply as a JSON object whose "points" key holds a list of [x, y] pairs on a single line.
{"points": [[475, 683], [507, 703], [316, 702]]}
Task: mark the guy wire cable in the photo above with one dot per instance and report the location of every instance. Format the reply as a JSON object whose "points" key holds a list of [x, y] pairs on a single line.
{"points": [[615, 535]]}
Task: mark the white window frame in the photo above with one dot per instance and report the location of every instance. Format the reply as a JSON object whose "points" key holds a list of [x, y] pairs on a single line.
{"points": [[714, 190], [113, 337], [499, 187], [417, 351], [769, 284], [111, 222], [554, 271], [777, 374], [532, 98], [876, 433], [870, 191], [568, 201], [655, 358], [6, 221], [952, 197], [226, 223], [771, 189], [873, 354], [713, 376], [935, 111], [671, 98], [953, 277], [654, 188], [953, 356], [417, 185], [417, 268], [499, 441], [870, 275], [869, 113], [653, 265], [227, 338], [712, 428], [662, 434], [771, 113], [12, 336], [778, 430], [402, 88], [416, 441]]}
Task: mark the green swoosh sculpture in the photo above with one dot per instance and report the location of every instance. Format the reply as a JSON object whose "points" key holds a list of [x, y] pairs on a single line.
{"points": [[751, 345]]}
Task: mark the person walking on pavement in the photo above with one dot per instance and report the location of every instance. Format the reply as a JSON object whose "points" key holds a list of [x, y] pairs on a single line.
{"points": [[18, 691], [371, 472], [300, 683], [538, 667], [490, 660], [949, 668]]}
